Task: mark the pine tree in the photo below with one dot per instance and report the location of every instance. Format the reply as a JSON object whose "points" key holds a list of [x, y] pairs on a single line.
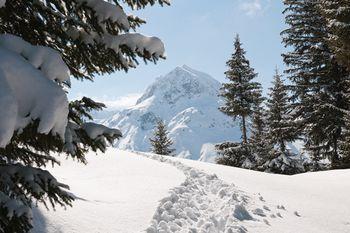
{"points": [[319, 84], [241, 93], [281, 130], [337, 14], [258, 134], [161, 143], [55, 40]]}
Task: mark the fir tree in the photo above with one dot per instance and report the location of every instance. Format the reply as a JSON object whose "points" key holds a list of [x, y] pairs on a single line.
{"points": [[319, 84], [161, 143], [281, 130], [241, 93], [89, 41], [258, 134], [337, 14]]}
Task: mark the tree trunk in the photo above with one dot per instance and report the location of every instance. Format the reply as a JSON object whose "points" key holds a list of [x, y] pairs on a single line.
{"points": [[244, 130], [283, 147]]}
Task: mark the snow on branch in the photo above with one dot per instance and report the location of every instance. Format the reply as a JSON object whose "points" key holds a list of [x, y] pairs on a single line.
{"points": [[27, 89], [137, 43], [108, 11], [44, 58], [88, 134], [35, 181], [94, 130]]}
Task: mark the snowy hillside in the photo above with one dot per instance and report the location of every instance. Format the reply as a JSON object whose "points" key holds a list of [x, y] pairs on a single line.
{"points": [[187, 101], [132, 192]]}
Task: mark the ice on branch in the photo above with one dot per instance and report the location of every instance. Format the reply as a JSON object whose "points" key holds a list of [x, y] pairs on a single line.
{"points": [[27, 88], [108, 11]]}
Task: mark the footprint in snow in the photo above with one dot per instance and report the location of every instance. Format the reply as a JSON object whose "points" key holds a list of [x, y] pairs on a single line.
{"points": [[204, 203]]}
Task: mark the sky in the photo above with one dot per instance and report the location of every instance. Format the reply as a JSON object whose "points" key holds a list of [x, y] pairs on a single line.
{"points": [[200, 34]]}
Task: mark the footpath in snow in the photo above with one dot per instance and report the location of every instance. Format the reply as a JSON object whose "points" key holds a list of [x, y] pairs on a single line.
{"points": [[206, 204]]}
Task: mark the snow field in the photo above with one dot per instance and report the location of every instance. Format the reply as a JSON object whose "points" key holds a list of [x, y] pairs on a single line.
{"points": [[124, 192]]}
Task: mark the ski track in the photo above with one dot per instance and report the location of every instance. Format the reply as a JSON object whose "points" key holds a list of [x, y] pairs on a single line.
{"points": [[206, 204]]}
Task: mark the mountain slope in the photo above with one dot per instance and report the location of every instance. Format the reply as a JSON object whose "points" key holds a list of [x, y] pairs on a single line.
{"points": [[187, 100]]}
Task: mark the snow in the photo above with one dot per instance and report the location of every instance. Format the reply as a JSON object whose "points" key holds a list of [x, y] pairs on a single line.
{"points": [[139, 192], [28, 88], [106, 10], [2, 3], [319, 200], [136, 42], [115, 192], [95, 130], [187, 100], [44, 58]]}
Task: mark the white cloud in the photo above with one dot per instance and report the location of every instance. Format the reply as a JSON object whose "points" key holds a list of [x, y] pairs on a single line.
{"points": [[254, 7]]}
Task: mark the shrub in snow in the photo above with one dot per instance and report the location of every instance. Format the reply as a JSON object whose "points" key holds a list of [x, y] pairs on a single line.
{"points": [[42, 44]]}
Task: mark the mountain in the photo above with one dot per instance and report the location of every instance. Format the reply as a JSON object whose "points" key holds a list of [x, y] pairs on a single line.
{"points": [[187, 100]]}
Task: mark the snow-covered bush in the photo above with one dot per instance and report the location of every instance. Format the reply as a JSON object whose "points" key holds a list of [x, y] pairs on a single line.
{"points": [[283, 163], [43, 43]]}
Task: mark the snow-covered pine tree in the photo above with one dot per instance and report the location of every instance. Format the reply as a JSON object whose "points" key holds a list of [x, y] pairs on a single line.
{"points": [[337, 14], [42, 44], [345, 145], [319, 85], [160, 142], [281, 130], [241, 94], [281, 127]]}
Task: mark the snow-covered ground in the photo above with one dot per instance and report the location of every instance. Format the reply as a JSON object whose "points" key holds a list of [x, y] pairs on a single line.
{"points": [[134, 192], [116, 192]]}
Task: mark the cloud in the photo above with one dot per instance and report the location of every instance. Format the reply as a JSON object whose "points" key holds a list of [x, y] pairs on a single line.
{"points": [[254, 7]]}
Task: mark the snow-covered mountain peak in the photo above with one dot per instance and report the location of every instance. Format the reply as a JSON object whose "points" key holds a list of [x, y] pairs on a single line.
{"points": [[187, 101], [182, 82]]}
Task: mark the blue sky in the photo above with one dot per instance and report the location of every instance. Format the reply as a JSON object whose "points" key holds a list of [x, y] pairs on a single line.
{"points": [[198, 33]]}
